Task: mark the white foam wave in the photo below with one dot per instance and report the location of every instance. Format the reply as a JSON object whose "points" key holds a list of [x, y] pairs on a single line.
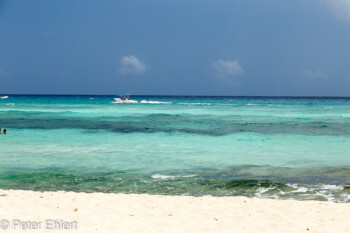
{"points": [[153, 102], [292, 185], [326, 195], [318, 191], [300, 190], [261, 191], [166, 177], [162, 177], [345, 197], [332, 187]]}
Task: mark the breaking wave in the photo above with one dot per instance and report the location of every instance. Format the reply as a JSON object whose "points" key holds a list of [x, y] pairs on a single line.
{"points": [[172, 184]]}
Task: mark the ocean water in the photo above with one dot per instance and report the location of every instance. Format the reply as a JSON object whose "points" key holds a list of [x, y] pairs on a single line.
{"points": [[283, 148]]}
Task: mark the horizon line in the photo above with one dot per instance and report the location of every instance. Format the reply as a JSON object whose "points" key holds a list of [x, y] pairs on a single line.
{"points": [[281, 96]]}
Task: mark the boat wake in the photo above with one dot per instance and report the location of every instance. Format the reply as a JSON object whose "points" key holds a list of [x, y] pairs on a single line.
{"points": [[153, 102]]}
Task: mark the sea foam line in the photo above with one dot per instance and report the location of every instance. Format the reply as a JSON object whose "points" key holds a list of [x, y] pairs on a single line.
{"points": [[167, 177]]}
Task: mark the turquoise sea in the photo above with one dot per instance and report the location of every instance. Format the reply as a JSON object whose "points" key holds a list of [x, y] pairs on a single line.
{"points": [[270, 147]]}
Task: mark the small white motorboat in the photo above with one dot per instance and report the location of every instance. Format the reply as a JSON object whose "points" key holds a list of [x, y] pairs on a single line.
{"points": [[125, 99], [4, 97]]}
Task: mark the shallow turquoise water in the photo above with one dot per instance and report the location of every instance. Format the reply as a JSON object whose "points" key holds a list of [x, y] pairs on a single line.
{"points": [[265, 147]]}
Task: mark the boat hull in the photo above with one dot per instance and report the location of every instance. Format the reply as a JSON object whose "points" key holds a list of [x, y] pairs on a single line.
{"points": [[117, 100]]}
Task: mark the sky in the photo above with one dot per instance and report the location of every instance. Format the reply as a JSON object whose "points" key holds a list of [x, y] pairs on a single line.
{"points": [[175, 47]]}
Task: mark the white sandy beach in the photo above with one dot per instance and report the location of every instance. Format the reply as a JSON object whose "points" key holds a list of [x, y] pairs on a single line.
{"points": [[98, 212]]}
